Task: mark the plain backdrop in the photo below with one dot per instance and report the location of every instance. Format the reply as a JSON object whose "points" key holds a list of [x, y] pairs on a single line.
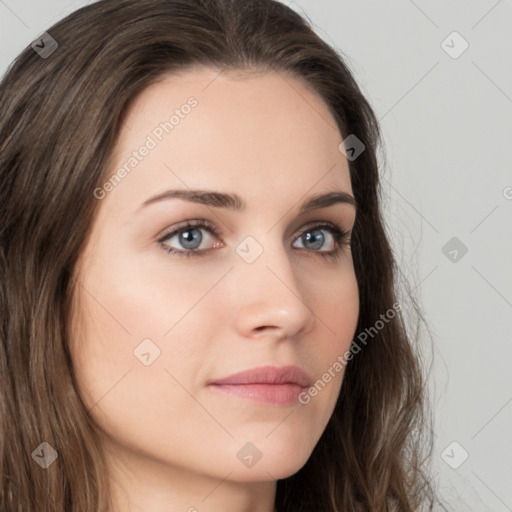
{"points": [[439, 77]]}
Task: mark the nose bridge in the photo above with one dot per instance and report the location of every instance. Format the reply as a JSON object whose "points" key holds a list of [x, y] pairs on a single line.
{"points": [[268, 292]]}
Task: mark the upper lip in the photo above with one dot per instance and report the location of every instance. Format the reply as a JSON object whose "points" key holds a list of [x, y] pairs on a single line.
{"points": [[268, 375]]}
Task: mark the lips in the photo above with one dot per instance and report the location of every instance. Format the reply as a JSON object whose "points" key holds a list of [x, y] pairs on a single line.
{"points": [[268, 385], [268, 375]]}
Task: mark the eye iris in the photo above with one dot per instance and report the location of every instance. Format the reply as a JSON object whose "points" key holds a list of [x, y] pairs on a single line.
{"points": [[319, 238], [190, 239]]}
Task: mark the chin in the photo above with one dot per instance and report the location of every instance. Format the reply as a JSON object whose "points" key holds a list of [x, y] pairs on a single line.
{"points": [[268, 472], [271, 459]]}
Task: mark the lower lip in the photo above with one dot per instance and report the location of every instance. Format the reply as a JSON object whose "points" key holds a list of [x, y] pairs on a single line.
{"points": [[274, 394]]}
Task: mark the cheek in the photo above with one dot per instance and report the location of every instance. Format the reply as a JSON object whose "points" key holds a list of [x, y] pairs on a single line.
{"points": [[336, 308], [132, 313], [124, 324], [147, 295]]}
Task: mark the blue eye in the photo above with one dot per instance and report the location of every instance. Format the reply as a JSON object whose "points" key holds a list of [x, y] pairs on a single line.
{"points": [[190, 238], [315, 238], [313, 235]]}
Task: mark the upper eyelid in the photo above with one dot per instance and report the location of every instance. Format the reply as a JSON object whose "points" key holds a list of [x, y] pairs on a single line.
{"points": [[195, 223], [204, 224]]}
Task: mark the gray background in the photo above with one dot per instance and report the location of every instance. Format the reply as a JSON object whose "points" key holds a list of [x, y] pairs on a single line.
{"points": [[447, 126]]}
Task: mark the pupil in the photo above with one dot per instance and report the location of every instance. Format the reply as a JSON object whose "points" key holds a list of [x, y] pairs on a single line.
{"points": [[319, 238], [188, 239]]}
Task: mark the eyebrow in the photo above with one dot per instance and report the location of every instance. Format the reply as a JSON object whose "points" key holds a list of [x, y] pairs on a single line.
{"points": [[236, 203]]}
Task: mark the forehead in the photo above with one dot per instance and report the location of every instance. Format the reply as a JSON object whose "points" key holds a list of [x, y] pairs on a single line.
{"points": [[254, 132]]}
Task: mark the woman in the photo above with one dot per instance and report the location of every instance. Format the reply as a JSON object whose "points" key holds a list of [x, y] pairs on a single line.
{"points": [[198, 302]]}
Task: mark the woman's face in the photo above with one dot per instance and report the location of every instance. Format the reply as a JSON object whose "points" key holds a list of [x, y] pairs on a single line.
{"points": [[157, 328]]}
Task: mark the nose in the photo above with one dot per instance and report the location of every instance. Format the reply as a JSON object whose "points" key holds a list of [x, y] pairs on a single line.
{"points": [[269, 298]]}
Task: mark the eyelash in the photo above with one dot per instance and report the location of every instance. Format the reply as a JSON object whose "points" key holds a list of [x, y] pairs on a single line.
{"points": [[341, 238]]}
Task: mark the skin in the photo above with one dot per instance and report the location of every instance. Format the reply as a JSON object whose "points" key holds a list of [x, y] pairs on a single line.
{"points": [[170, 441]]}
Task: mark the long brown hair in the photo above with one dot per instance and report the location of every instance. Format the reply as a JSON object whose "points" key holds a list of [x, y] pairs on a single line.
{"points": [[60, 118]]}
